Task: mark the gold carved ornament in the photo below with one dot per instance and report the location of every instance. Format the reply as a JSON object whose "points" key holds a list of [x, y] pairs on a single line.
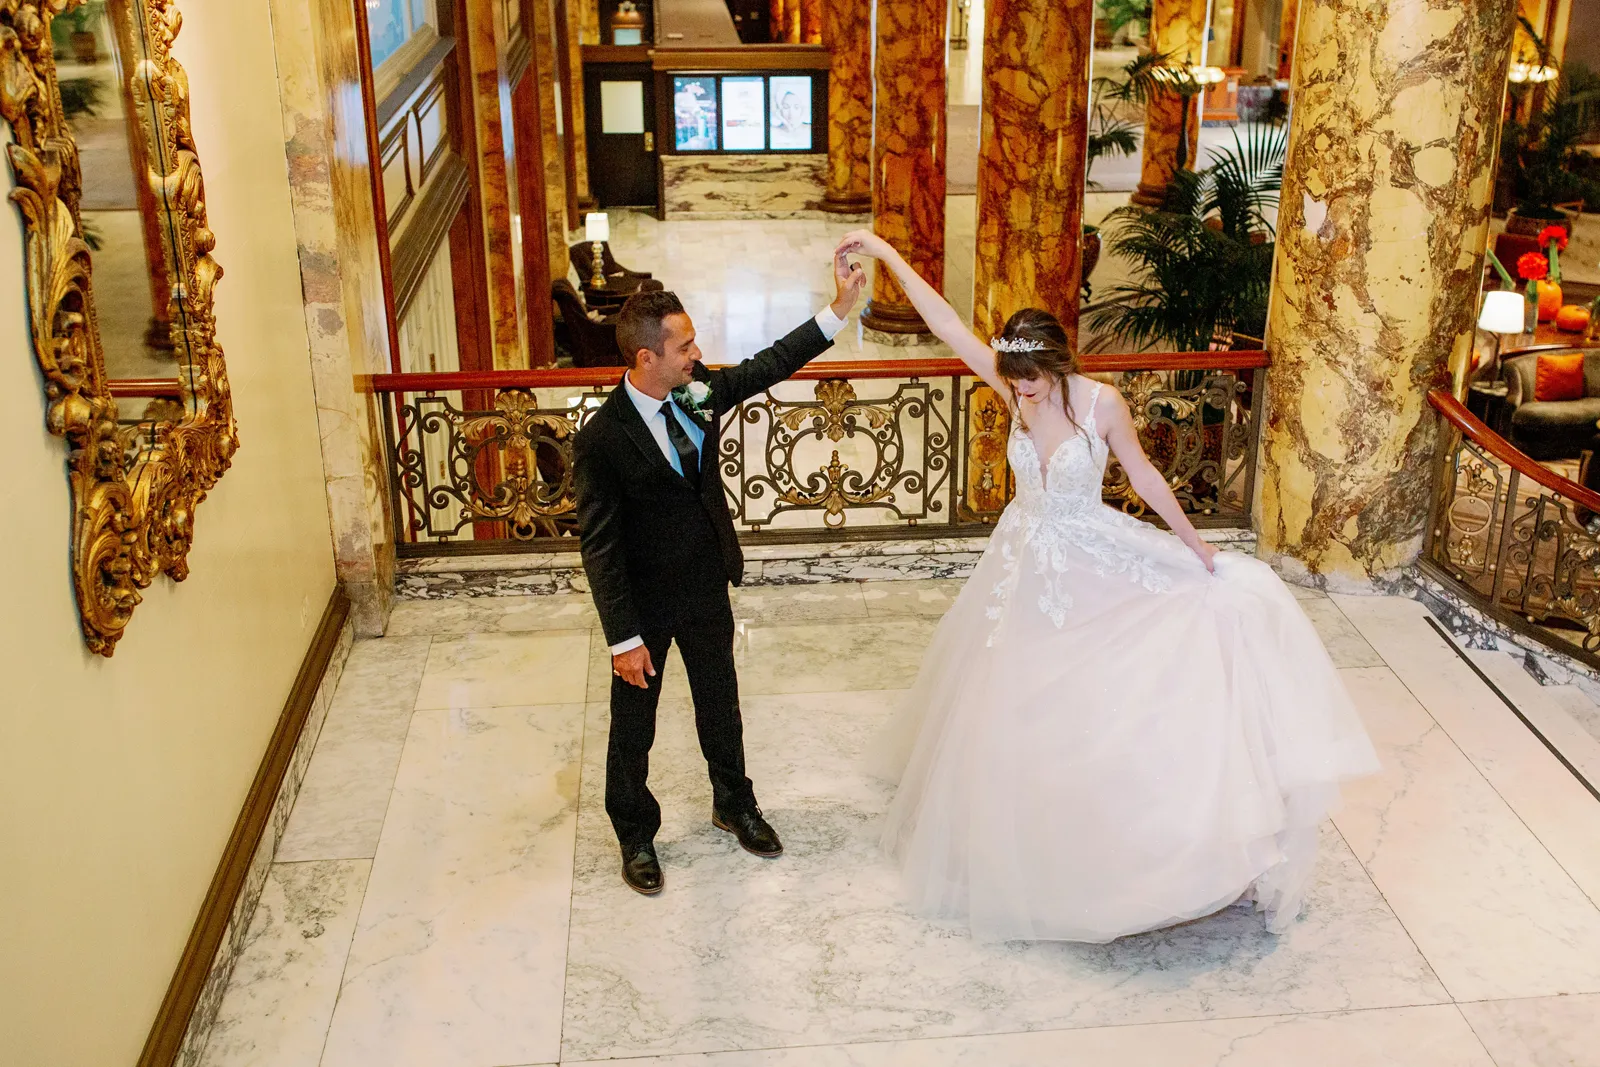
{"points": [[130, 521]]}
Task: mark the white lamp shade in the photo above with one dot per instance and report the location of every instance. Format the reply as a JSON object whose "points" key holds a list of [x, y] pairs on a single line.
{"points": [[596, 226], [1502, 312]]}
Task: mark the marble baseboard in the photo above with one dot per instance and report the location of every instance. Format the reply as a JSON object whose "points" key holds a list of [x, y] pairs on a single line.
{"points": [[236, 939], [1479, 630], [803, 214], [513, 574]]}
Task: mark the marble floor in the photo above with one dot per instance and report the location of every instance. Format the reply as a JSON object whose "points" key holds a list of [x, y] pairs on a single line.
{"points": [[447, 891]]}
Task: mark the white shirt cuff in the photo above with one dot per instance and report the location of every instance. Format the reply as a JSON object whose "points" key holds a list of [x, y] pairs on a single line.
{"points": [[629, 644], [829, 323]]}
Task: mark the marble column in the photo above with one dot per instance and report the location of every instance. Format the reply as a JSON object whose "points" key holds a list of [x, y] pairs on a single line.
{"points": [[1177, 30], [485, 41], [908, 161], [1385, 213], [811, 20], [1031, 160], [589, 18], [847, 31], [570, 13], [1287, 27], [778, 20], [555, 165], [341, 281]]}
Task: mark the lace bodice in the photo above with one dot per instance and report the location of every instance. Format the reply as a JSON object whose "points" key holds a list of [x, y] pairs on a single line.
{"points": [[1058, 515], [1071, 477]]}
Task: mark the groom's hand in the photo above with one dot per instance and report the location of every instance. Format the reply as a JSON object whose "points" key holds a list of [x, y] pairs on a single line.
{"points": [[633, 665], [848, 280]]}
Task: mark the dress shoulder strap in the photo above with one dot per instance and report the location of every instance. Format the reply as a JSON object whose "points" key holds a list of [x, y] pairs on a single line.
{"points": [[1094, 400]]}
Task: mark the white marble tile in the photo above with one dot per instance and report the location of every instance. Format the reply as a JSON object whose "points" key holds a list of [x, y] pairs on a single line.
{"points": [[1431, 1036], [339, 812], [1542, 1032], [276, 1010], [1303, 593], [800, 657], [495, 614], [1548, 799], [926, 597], [458, 956], [1494, 914], [1345, 645], [500, 670], [816, 948], [766, 604]]}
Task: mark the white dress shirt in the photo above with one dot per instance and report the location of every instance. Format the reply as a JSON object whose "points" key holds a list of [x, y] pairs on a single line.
{"points": [[656, 421]]}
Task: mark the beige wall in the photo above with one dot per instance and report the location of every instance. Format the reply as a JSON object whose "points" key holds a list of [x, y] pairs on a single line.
{"points": [[120, 779]]}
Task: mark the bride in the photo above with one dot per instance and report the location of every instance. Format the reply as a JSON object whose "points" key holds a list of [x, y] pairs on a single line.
{"points": [[1115, 729]]}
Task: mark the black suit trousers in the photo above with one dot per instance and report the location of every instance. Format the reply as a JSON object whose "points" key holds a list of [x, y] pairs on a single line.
{"points": [[706, 644]]}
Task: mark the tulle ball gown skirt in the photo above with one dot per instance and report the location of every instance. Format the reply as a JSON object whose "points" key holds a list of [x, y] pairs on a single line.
{"points": [[1111, 740]]}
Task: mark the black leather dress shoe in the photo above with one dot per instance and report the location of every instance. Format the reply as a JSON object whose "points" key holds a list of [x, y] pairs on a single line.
{"points": [[753, 832], [641, 870]]}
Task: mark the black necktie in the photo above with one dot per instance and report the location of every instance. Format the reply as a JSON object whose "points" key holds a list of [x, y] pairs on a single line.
{"points": [[688, 455]]}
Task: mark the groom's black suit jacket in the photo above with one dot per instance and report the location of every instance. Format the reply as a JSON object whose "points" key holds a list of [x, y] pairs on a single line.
{"points": [[656, 551]]}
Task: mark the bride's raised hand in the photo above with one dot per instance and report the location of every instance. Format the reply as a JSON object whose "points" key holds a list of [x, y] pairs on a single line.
{"points": [[864, 243]]}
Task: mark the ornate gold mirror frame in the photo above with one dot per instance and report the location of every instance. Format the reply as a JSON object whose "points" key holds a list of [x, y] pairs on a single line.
{"points": [[132, 507]]}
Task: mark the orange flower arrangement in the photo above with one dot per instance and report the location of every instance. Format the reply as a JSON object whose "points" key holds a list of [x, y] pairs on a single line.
{"points": [[1533, 267]]}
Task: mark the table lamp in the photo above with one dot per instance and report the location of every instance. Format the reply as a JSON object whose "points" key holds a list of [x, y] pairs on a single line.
{"points": [[1501, 314], [597, 228]]}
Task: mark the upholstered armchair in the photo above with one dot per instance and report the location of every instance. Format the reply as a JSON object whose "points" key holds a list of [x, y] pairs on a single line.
{"points": [[1551, 429], [592, 344]]}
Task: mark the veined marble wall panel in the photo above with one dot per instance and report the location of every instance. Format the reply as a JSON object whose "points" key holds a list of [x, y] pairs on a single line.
{"points": [[342, 282], [745, 187]]}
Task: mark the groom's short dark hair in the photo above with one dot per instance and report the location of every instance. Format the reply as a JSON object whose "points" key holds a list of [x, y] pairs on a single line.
{"points": [[639, 325]]}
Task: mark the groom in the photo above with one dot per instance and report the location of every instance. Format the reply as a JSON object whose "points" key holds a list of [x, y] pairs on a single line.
{"points": [[659, 549]]}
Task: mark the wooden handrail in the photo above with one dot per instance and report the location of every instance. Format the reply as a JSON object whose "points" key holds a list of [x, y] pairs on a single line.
{"points": [[146, 387], [859, 370], [1457, 415]]}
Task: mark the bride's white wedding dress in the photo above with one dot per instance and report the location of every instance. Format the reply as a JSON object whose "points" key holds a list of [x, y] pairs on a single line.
{"points": [[1106, 738]]}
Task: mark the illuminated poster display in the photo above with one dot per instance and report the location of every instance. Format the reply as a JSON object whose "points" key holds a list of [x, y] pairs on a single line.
{"points": [[791, 113], [744, 114], [694, 108]]}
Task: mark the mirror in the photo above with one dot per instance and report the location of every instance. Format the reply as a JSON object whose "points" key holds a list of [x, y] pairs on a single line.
{"points": [[120, 278]]}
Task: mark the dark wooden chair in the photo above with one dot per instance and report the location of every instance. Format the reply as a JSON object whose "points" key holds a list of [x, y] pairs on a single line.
{"points": [[592, 344]]}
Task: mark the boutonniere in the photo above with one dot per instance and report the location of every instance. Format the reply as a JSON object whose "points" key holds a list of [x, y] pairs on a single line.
{"points": [[695, 398]]}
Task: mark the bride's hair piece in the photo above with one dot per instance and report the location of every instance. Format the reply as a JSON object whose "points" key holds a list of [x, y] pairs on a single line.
{"points": [[1015, 344], [1033, 345]]}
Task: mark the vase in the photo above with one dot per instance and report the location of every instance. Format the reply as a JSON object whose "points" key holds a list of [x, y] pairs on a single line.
{"points": [[1549, 301]]}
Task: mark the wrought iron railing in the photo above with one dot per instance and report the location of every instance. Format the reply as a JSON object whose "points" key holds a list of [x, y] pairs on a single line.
{"points": [[481, 461], [1516, 539]]}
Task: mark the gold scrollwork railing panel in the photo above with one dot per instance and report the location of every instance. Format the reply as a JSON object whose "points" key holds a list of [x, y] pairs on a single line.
{"points": [[131, 519], [1522, 546], [487, 457]]}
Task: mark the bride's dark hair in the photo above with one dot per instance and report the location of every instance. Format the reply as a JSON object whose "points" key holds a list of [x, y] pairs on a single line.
{"points": [[1056, 361]]}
